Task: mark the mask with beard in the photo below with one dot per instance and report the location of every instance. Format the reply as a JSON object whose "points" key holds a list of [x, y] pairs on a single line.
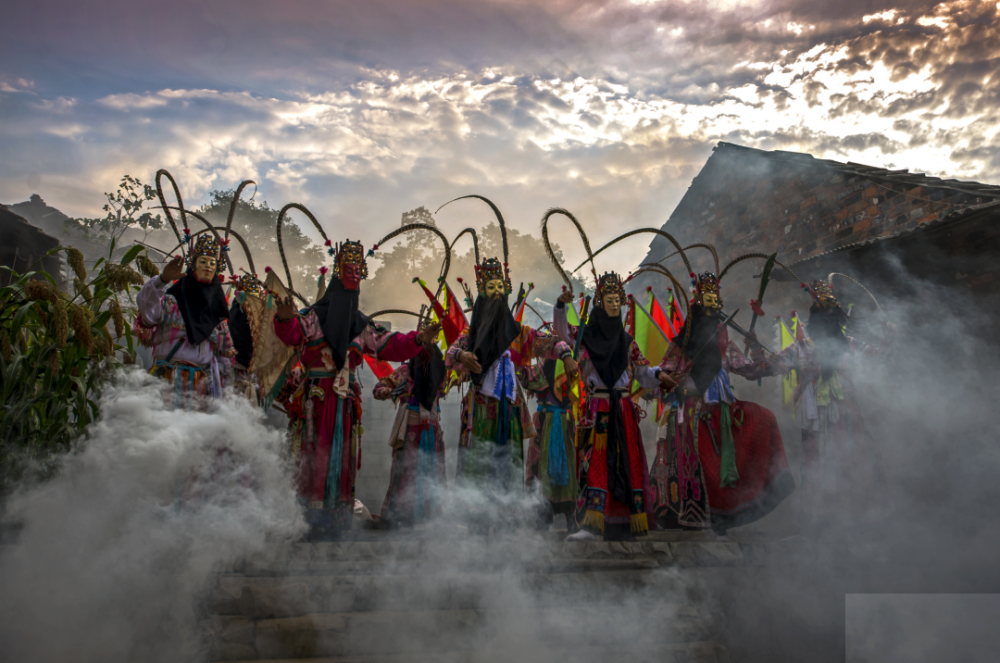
{"points": [[704, 343], [491, 331]]}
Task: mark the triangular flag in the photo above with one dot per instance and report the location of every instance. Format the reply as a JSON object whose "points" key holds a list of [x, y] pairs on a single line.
{"points": [[652, 342], [676, 320], [381, 369], [659, 317], [452, 322], [789, 382], [572, 317]]}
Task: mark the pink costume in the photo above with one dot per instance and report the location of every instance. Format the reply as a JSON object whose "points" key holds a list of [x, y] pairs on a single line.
{"points": [[192, 371]]}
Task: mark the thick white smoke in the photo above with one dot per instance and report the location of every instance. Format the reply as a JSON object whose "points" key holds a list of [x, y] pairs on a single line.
{"points": [[116, 552]]}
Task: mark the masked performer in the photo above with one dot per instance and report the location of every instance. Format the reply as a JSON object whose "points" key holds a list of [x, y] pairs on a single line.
{"points": [[417, 479], [720, 461], [331, 337], [552, 451], [494, 418], [182, 317], [614, 476], [837, 471], [618, 501]]}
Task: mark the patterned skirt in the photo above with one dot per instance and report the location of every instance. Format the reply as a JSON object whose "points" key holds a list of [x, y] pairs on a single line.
{"points": [[552, 456], [326, 449], [601, 511], [417, 480], [688, 470], [490, 471]]}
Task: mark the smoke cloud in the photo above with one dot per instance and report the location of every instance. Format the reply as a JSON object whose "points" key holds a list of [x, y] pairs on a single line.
{"points": [[116, 552]]}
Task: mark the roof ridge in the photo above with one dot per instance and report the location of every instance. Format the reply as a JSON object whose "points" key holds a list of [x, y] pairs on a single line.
{"points": [[902, 176]]}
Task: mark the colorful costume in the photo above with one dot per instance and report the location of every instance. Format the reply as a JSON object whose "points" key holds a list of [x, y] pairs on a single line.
{"points": [[720, 461], [495, 421], [324, 407], [614, 477], [417, 480], [185, 325], [837, 469], [552, 451]]}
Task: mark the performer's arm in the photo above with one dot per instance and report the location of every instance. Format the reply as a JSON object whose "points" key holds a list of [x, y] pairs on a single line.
{"points": [[460, 345], [396, 346], [648, 377], [560, 325], [150, 300], [290, 331]]}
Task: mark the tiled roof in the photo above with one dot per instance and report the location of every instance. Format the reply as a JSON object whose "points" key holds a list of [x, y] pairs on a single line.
{"points": [[902, 176]]}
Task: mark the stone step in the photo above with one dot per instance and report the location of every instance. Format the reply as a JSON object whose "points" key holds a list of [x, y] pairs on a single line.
{"points": [[523, 554], [398, 632], [696, 652], [291, 596]]}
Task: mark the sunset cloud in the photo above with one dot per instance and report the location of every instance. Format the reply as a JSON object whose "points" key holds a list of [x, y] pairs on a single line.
{"points": [[608, 109]]}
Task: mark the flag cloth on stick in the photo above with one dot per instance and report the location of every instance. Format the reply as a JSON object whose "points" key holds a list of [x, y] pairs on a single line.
{"points": [[572, 317], [789, 382], [651, 339], [381, 369], [453, 321], [659, 317]]}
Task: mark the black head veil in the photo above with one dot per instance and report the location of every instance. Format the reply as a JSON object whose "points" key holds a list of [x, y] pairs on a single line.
{"points": [[340, 319], [202, 306], [608, 346], [491, 331]]}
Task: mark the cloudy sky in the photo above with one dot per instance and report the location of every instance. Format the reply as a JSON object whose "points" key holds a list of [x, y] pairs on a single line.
{"points": [[362, 110]]}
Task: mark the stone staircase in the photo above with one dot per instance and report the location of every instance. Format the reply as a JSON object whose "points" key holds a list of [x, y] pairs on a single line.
{"points": [[442, 595]]}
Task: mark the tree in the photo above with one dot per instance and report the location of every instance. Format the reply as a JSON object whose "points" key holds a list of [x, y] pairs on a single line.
{"points": [[126, 210], [256, 223]]}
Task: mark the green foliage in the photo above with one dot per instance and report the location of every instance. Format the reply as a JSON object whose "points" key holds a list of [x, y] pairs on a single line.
{"points": [[125, 210], [256, 223], [57, 353]]}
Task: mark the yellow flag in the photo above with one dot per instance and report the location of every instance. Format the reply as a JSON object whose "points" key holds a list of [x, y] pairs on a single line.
{"points": [[790, 381]]}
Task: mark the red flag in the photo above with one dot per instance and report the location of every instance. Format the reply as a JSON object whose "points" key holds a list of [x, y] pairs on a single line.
{"points": [[659, 317], [454, 314], [453, 320], [630, 318], [676, 320], [381, 369]]}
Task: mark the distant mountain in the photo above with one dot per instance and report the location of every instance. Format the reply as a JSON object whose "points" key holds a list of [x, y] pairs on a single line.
{"points": [[48, 219]]}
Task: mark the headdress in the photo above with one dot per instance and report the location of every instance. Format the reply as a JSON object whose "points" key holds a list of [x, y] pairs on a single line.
{"points": [[250, 284], [609, 284], [490, 269], [348, 253], [822, 293], [205, 246], [705, 283]]}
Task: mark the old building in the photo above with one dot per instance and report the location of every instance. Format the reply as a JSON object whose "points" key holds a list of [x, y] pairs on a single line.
{"points": [[23, 247], [902, 234]]}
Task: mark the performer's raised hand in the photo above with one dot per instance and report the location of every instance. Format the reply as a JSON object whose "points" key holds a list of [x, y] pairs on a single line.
{"points": [[174, 270], [667, 380], [287, 309], [429, 333], [572, 368], [470, 362], [566, 297]]}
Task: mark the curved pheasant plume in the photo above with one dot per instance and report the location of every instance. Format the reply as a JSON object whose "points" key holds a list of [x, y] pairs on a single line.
{"points": [[548, 246]]}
